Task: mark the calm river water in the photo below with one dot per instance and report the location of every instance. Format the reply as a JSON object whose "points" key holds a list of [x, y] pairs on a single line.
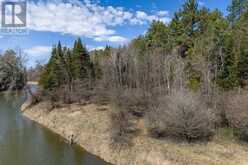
{"points": [[23, 142]]}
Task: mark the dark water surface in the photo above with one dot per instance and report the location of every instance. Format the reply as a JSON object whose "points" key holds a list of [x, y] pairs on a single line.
{"points": [[24, 142]]}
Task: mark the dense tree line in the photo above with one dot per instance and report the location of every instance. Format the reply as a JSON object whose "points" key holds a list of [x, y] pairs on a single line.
{"points": [[199, 34], [200, 55], [68, 71], [12, 70]]}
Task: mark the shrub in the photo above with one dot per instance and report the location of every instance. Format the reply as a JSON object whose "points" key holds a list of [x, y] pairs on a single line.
{"points": [[242, 132], [181, 115], [131, 100], [236, 109], [121, 128], [100, 96]]}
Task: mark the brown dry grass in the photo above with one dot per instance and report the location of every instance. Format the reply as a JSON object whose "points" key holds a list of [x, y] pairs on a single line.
{"points": [[91, 128]]}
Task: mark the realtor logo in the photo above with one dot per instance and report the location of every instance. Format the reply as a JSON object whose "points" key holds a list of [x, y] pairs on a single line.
{"points": [[14, 17], [14, 14]]}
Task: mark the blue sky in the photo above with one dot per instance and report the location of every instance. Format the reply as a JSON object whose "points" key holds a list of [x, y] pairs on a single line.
{"points": [[97, 22]]}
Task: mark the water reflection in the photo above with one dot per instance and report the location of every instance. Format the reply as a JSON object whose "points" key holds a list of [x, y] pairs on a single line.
{"points": [[23, 142]]}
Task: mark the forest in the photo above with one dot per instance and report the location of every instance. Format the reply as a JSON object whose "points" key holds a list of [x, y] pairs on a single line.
{"points": [[186, 78]]}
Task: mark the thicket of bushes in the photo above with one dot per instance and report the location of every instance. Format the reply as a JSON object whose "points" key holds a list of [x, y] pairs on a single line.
{"points": [[182, 115], [175, 75], [122, 129], [236, 110]]}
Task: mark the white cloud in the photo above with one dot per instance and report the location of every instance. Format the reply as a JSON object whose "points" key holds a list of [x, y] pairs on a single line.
{"points": [[86, 18], [163, 13], [141, 15], [97, 48], [39, 54], [100, 48], [38, 50], [142, 18], [117, 39]]}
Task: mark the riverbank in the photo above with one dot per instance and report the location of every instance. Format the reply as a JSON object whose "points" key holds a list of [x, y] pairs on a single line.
{"points": [[89, 126]]}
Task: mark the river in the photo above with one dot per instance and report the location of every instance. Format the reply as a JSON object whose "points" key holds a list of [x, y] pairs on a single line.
{"points": [[24, 142]]}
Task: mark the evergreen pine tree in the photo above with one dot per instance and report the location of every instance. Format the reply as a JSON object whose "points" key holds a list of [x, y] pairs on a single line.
{"points": [[49, 79], [81, 60], [158, 36], [236, 9], [240, 36], [185, 27]]}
